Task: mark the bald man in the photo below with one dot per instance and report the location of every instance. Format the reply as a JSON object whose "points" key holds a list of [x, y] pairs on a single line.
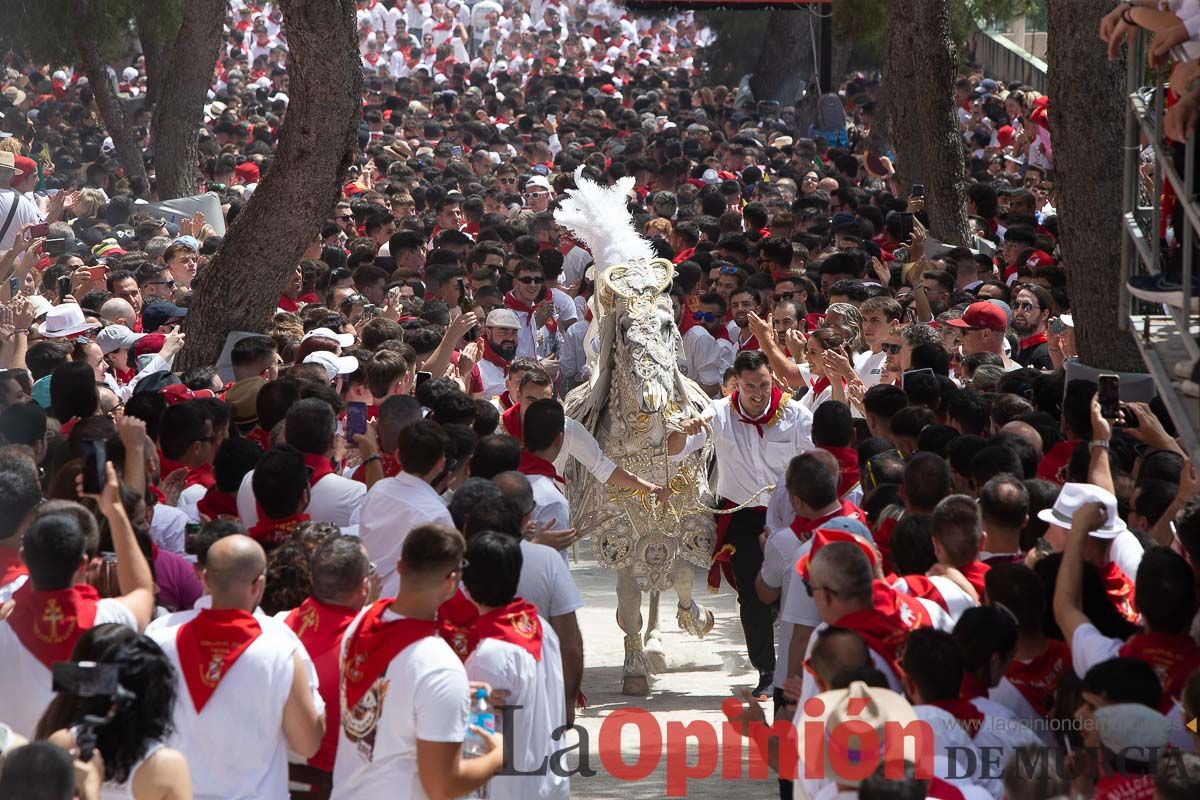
{"points": [[1026, 432], [247, 689]]}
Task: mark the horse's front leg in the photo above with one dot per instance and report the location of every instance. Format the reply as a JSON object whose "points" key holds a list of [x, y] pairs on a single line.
{"points": [[635, 675]]}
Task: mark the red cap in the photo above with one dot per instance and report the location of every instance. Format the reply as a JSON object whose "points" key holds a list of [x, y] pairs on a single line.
{"points": [[982, 315], [1040, 258], [247, 171], [1005, 134], [150, 343], [24, 167], [177, 393], [608, 88]]}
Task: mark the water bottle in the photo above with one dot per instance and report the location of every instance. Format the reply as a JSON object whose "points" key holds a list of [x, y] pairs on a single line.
{"points": [[473, 745]]}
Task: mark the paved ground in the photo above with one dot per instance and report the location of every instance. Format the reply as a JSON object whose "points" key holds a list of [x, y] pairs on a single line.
{"points": [[701, 673]]}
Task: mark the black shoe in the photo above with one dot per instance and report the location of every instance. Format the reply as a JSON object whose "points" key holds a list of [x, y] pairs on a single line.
{"points": [[1161, 289], [763, 690]]}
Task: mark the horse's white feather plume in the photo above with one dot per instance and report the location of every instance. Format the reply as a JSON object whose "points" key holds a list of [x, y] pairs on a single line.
{"points": [[599, 217]]}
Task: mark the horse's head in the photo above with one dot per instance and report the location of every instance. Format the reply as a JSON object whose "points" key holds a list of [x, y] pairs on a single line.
{"points": [[647, 338]]}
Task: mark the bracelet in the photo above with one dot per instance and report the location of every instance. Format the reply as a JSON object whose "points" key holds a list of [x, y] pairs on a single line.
{"points": [[369, 459], [1098, 443], [1125, 15]]}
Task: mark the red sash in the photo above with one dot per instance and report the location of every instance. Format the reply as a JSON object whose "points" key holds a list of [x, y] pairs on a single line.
{"points": [[517, 623], [1037, 678], [209, 645], [536, 465], [722, 560], [202, 475], [511, 420], [456, 623], [216, 504], [11, 567], [391, 468], [373, 646], [320, 466], [969, 717], [848, 478], [1173, 656], [511, 302], [763, 420], [270, 532], [883, 633], [1055, 460], [1120, 591], [49, 624], [320, 627]]}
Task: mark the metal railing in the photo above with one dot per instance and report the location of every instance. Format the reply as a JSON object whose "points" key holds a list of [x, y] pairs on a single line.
{"points": [[1165, 334]]}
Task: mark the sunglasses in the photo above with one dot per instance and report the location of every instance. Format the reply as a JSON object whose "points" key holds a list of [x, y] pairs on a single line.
{"points": [[531, 279], [813, 589], [729, 271], [893, 349], [703, 316], [344, 218], [1026, 307], [784, 295]]}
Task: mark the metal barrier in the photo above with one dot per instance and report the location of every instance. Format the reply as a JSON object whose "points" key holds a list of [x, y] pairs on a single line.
{"points": [[1166, 336], [1004, 60]]}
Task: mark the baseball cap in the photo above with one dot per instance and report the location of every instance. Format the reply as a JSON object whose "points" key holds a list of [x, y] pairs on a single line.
{"points": [[334, 365], [177, 393], [1076, 495], [155, 315], [242, 399], [502, 318], [343, 339], [1122, 727], [155, 382], [982, 315], [539, 181], [116, 337]]}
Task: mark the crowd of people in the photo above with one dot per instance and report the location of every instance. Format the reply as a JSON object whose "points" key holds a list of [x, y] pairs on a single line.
{"points": [[288, 571]]}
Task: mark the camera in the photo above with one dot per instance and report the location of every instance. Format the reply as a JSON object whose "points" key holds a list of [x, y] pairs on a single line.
{"points": [[99, 684]]}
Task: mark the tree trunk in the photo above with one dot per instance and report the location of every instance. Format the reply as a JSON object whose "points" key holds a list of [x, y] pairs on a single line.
{"points": [[180, 109], [240, 289], [919, 74], [785, 63], [111, 110], [154, 50], [1087, 122]]}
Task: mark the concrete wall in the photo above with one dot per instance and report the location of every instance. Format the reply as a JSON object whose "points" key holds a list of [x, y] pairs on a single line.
{"points": [[1006, 62]]}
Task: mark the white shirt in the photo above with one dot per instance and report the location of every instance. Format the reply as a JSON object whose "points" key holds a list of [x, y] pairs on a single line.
{"points": [[575, 262], [27, 213], [423, 694], [25, 682], [168, 528], [550, 506], [564, 306], [573, 360], [546, 581], [492, 377], [579, 444], [532, 341], [782, 552], [870, 369], [703, 360], [393, 507], [535, 687], [333, 499], [748, 462], [780, 512], [235, 747]]}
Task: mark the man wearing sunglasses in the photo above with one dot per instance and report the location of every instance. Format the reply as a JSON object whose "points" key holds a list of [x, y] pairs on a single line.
{"points": [[530, 300], [982, 328], [700, 357]]}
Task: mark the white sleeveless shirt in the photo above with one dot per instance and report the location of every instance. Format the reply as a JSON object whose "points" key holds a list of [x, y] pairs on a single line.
{"points": [[124, 791]]}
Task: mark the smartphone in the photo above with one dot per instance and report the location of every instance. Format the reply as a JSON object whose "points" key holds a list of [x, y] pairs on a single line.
{"points": [[85, 678], [422, 377], [64, 287], [37, 231], [94, 456], [901, 255], [1057, 327], [55, 247], [97, 274], [906, 226], [1109, 395], [918, 190], [14, 286], [370, 311], [456, 151], [356, 420]]}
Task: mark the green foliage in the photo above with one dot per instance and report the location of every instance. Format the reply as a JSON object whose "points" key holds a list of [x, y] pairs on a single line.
{"points": [[739, 36], [46, 29]]}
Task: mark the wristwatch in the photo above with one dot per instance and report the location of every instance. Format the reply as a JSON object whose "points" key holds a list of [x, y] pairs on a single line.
{"points": [[1098, 443]]}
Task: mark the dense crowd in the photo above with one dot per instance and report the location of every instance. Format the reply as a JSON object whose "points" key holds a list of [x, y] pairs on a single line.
{"points": [[286, 572]]}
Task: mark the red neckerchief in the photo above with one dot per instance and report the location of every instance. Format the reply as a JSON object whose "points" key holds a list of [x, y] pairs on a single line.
{"points": [[1004, 558], [1166, 652], [763, 419], [310, 297], [1056, 458], [491, 356], [683, 255], [972, 687], [511, 302], [885, 634], [391, 468], [209, 644], [1037, 679], [883, 536], [687, 322], [11, 567], [374, 644], [820, 385], [969, 718], [456, 623], [216, 504], [168, 466], [125, 376], [1120, 591], [202, 475], [848, 477], [803, 526], [1033, 341], [49, 624], [512, 422], [516, 623], [751, 344], [287, 304], [320, 466], [974, 573], [260, 437], [505, 401], [1121, 786], [65, 428], [270, 532], [939, 789], [908, 611], [536, 465]]}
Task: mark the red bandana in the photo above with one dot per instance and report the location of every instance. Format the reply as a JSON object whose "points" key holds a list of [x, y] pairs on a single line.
{"points": [[848, 477], [972, 687], [288, 304], [391, 468], [883, 633], [511, 302], [721, 333], [1055, 460], [906, 609], [1173, 656], [750, 344], [536, 465], [270, 532], [202, 475], [512, 422], [373, 646], [456, 623], [209, 645], [764, 419], [320, 628], [505, 401], [969, 717], [490, 355], [216, 504], [320, 466], [11, 567], [1037, 679], [1033, 341], [68, 426], [517, 623], [974, 573], [803, 526], [1120, 591], [1125, 787], [169, 466], [49, 623], [260, 437], [819, 385]]}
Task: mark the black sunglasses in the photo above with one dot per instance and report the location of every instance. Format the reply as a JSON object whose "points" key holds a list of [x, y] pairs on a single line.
{"points": [[703, 316], [528, 279], [894, 349]]}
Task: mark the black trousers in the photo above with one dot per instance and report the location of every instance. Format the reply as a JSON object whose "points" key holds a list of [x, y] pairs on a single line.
{"points": [[758, 622], [785, 787]]}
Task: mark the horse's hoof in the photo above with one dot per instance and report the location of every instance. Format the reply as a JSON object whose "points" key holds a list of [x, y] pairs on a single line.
{"points": [[697, 620], [635, 685]]}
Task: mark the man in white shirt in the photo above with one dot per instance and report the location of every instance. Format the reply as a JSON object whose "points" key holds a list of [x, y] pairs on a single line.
{"points": [[756, 432], [406, 692], [700, 358], [878, 314], [533, 305], [518, 656], [310, 427], [395, 506], [187, 439], [16, 210], [247, 690], [543, 428], [499, 347], [55, 607]]}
